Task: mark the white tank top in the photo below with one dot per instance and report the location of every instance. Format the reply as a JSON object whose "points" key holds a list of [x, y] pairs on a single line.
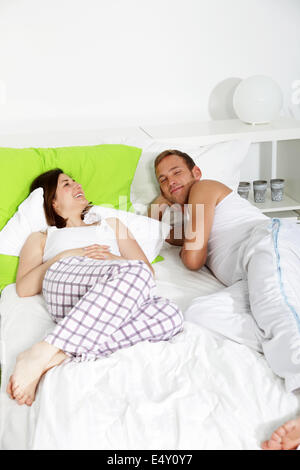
{"points": [[234, 220], [67, 238]]}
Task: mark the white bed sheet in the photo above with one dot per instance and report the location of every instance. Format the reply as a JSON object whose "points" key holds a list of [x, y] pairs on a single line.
{"points": [[197, 391]]}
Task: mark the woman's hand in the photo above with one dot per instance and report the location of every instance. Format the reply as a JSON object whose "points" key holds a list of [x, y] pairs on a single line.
{"points": [[92, 251], [100, 252]]}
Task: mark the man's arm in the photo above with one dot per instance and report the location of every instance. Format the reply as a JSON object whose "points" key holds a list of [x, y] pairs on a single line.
{"points": [[202, 202]]}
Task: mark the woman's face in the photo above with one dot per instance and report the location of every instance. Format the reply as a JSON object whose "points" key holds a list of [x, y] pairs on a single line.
{"points": [[69, 196]]}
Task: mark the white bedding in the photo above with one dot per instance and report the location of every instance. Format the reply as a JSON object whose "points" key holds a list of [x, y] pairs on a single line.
{"points": [[198, 391]]}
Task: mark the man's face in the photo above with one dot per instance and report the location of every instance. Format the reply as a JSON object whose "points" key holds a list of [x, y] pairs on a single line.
{"points": [[176, 179]]}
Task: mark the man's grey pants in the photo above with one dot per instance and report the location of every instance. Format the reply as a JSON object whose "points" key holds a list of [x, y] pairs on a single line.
{"points": [[270, 263]]}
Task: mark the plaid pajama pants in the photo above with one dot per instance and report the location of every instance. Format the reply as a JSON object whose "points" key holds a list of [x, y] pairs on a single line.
{"points": [[102, 306]]}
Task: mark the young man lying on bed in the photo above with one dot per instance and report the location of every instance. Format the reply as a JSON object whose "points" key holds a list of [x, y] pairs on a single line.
{"points": [[236, 241]]}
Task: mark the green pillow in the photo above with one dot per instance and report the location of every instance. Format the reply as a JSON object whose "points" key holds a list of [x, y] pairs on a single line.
{"points": [[18, 168], [105, 172], [158, 259], [8, 270]]}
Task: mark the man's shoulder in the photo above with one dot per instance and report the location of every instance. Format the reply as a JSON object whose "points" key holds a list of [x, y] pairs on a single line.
{"points": [[208, 190], [208, 184]]}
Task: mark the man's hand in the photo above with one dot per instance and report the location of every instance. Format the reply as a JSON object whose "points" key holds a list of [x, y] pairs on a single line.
{"points": [[176, 236], [158, 207]]}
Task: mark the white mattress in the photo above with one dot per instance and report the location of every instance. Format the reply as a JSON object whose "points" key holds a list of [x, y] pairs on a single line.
{"points": [[197, 391]]}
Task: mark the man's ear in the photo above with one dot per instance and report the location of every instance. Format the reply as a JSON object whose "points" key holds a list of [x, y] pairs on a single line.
{"points": [[197, 173]]}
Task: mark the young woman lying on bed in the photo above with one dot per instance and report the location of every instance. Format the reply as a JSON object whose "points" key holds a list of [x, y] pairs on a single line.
{"points": [[97, 283]]}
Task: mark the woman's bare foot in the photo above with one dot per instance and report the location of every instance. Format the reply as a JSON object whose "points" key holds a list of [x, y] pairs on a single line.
{"points": [[286, 437], [30, 366]]}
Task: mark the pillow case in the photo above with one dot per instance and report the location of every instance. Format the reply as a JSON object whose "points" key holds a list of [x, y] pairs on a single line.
{"points": [[18, 168], [30, 217], [219, 162], [105, 171]]}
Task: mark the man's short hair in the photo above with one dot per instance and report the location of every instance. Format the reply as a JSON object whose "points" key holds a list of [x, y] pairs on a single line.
{"points": [[188, 160]]}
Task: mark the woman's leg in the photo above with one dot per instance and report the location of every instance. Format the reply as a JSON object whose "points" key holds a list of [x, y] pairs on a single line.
{"points": [[114, 306], [273, 268], [158, 319], [101, 307], [30, 366]]}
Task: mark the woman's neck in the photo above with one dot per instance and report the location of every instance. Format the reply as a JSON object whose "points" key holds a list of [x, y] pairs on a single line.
{"points": [[75, 225], [74, 221]]}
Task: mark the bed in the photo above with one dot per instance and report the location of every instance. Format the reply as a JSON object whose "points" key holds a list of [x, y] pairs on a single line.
{"points": [[199, 390]]}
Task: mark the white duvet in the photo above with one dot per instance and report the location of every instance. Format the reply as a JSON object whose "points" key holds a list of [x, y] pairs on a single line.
{"points": [[198, 391]]}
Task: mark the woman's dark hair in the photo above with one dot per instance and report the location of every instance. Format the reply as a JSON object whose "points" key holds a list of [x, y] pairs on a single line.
{"points": [[48, 181], [188, 160]]}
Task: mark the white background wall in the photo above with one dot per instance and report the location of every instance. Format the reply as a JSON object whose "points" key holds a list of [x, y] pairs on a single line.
{"points": [[132, 62]]}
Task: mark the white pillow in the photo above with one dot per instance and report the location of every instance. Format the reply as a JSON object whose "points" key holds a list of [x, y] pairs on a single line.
{"points": [[30, 217], [221, 162]]}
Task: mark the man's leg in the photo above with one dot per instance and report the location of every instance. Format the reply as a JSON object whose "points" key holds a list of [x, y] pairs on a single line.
{"points": [[274, 292], [286, 437], [227, 313]]}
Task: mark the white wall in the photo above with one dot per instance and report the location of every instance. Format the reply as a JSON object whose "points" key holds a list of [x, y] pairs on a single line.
{"points": [[131, 62]]}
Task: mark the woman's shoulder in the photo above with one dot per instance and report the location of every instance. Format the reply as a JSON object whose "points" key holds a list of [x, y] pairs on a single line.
{"points": [[38, 238], [112, 222], [119, 228], [38, 235]]}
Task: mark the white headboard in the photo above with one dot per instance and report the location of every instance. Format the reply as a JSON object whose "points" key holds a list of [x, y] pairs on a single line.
{"points": [[64, 138]]}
